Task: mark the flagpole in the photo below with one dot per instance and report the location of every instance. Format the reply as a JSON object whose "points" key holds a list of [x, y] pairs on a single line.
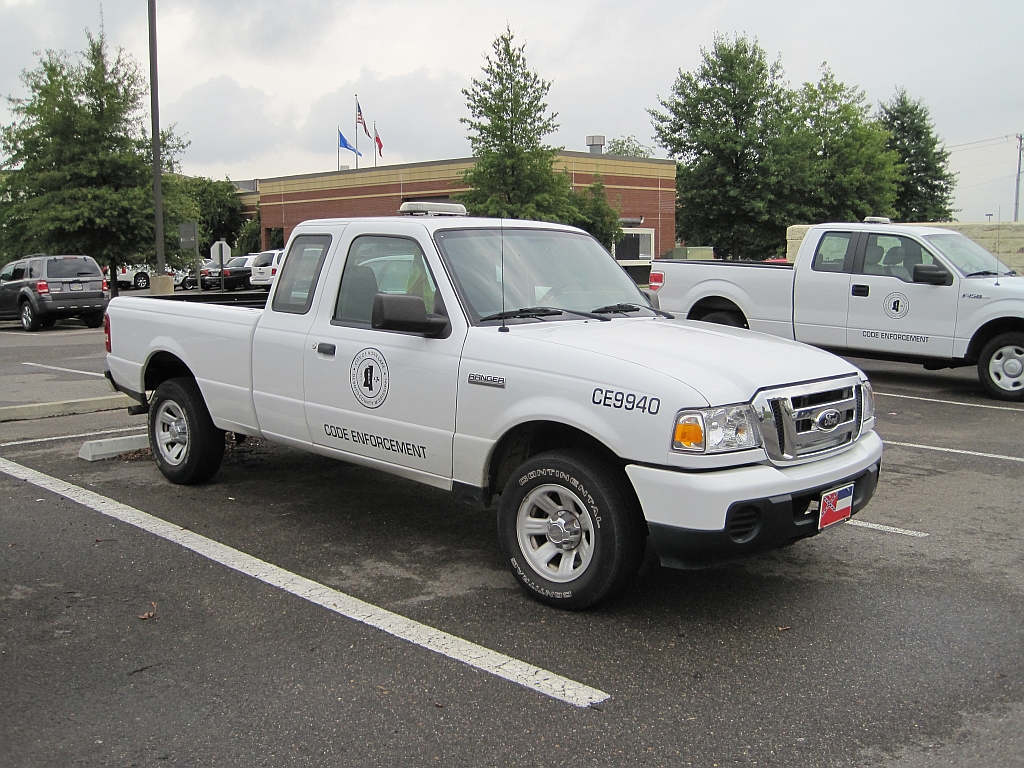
{"points": [[338, 142], [357, 130], [374, 143]]}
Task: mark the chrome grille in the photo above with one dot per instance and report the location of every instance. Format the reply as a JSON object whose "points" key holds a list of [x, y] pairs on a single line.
{"points": [[805, 421]]}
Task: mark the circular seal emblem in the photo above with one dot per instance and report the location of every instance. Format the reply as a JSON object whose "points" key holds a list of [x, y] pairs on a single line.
{"points": [[370, 377], [896, 305]]}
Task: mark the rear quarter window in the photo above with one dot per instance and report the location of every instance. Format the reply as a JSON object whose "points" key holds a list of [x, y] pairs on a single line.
{"points": [[832, 251], [297, 280]]}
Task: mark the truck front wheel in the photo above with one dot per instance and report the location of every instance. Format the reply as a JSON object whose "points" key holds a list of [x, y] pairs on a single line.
{"points": [[570, 530], [1001, 366], [187, 446]]}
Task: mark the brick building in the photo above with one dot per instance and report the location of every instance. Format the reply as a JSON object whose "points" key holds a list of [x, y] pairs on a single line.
{"points": [[642, 189]]}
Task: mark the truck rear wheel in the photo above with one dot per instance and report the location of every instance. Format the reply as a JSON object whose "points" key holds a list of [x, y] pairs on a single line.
{"points": [[733, 319], [1001, 366], [187, 446], [569, 529]]}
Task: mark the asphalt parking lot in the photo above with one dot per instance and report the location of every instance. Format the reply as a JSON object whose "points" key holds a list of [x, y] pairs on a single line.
{"points": [[123, 645]]}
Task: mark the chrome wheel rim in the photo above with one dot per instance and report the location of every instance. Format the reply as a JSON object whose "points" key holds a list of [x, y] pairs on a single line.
{"points": [[556, 533], [1006, 368], [26, 316], [171, 432]]}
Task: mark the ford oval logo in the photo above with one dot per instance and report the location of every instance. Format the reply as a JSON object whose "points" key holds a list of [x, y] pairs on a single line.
{"points": [[828, 420]]}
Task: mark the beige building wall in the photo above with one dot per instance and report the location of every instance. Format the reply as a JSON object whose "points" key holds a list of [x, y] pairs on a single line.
{"points": [[1005, 240]]}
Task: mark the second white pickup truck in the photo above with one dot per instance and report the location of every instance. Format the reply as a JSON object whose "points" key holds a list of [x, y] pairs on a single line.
{"points": [[516, 358], [915, 294]]}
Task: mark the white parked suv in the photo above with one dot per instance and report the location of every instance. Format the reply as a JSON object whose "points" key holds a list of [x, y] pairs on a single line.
{"points": [[513, 358], [265, 268]]}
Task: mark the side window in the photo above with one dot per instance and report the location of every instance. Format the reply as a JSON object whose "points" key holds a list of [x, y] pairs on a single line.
{"points": [[297, 281], [831, 253], [7, 274], [894, 256], [19, 272], [377, 264], [35, 270]]}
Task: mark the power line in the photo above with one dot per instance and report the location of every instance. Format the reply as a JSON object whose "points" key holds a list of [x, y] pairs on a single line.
{"points": [[979, 141], [991, 181]]}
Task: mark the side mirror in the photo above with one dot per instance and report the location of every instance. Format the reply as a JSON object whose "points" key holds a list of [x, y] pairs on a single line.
{"points": [[932, 274], [399, 312]]}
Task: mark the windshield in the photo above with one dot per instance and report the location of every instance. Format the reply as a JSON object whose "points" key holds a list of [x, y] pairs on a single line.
{"points": [[542, 268], [238, 261], [967, 255]]}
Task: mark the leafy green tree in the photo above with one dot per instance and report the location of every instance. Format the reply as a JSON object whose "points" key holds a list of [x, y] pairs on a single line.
{"points": [[220, 211], [628, 146], [77, 176], [925, 191], [250, 238], [514, 174], [852, 173], [732, 127], [596, 215]]}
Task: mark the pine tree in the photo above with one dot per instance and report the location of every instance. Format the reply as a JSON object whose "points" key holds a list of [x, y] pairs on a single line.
{"points": [[514, 174], [925, 192]]}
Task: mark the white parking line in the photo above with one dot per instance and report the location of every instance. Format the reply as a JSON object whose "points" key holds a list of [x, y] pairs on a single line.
{"points": [[136, 428], [886, 528], [492, 662], [68, 370], [952, 402], [955, 450], [24, 335]]}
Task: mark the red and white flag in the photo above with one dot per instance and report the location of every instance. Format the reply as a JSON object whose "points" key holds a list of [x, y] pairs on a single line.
{"points": [[377, 141], [360, 120]]}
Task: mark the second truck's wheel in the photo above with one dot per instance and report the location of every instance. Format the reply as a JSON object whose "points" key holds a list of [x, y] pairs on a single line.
{"points": [[187, 446], [725, 318], [142, 280], [1001, 366], [569, 529]]}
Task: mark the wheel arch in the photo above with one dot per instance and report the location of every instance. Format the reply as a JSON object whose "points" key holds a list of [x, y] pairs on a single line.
{"points": [[989, 331], [529, 438], [709, 304], [161, 366]]}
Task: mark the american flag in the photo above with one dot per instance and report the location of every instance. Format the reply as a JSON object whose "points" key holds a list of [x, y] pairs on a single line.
{"points": [[835, 506], [360, 120]]}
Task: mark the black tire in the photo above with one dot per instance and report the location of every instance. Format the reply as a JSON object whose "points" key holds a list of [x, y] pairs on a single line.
{"points": [[594, 505], [1001, 366], [194, 456], [93, 320], [733, 319], [141, 280], [48, 322], [29, 318]]}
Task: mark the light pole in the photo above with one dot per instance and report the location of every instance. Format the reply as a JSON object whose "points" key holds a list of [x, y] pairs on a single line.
{"points": [[1016, 189], [154, 99]]}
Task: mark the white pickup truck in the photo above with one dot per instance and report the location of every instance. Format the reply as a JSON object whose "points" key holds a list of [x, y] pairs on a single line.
{"points": [[516, 358], [877, 290]]}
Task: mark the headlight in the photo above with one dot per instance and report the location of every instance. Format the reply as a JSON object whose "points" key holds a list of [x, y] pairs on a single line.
{"points": [[716, 430], [869, 400]]}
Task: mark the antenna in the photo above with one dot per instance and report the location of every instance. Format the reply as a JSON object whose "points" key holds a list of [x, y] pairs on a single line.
{"points": [[501, 228]]}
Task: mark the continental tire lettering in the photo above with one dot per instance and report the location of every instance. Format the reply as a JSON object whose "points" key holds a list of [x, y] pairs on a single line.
{"points": [[536, 587], [533, 474]]}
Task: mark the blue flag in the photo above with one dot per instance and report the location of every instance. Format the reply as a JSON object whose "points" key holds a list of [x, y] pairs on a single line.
{"points": [[343, 144]]}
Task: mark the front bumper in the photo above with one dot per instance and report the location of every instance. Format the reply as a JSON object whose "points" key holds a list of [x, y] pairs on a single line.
{"points": [[706, 518]]}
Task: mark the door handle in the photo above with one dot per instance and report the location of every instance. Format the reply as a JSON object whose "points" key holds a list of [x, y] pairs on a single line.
{"points": [[860, 290], [325, 349]]}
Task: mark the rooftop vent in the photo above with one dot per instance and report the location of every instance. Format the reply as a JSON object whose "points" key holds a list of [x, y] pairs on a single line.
{"points": [[432, 209], [596, 144]]}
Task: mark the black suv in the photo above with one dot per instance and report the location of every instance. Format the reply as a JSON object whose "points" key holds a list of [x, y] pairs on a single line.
{"points": [[39, 288]]}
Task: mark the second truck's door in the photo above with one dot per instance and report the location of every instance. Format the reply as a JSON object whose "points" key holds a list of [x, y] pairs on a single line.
{"points": [[387, 396], [821, 291], [889, 312]]}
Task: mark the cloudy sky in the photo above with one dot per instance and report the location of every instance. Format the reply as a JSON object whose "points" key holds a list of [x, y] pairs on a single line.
{"points": [[259, 87]]}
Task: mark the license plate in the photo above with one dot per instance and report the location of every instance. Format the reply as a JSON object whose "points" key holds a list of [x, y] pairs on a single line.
{"points": [[76, 286], [836, 506]]}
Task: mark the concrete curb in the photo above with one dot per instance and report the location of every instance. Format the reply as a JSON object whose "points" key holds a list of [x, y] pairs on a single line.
{"points": [[65, 407], [94, 450]]}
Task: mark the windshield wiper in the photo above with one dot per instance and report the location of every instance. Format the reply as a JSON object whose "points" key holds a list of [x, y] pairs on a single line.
{"points": [[990, 273], [541, 312], [632, 308]]}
